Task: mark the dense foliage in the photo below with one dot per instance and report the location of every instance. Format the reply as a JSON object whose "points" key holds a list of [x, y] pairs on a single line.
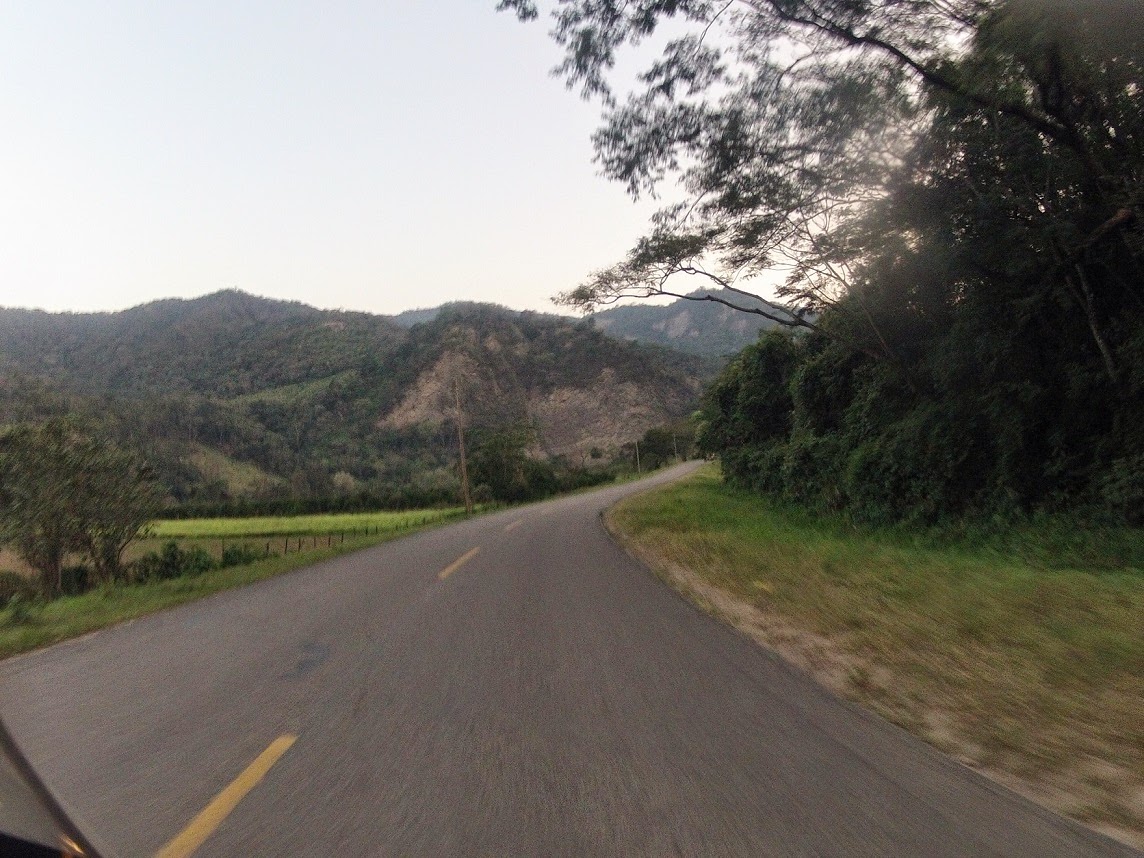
{"points": [[953, 187]]}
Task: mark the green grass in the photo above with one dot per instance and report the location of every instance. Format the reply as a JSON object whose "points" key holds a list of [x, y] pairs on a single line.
{"points": [[31, 625], [301, 525], [1022, 652], [240, 478], [292, 394]]}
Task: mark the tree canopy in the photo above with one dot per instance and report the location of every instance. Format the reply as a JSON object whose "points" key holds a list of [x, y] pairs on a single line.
{"points": [[785, 123], [950, 191]]}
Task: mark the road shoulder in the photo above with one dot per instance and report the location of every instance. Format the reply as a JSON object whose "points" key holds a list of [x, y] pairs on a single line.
{"points": [[1106, 795]]}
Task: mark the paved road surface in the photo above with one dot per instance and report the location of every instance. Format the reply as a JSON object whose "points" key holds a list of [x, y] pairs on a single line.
{"points": [[547, 696]]}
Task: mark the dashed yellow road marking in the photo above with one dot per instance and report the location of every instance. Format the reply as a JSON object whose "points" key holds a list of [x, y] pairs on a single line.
{"points": [[513, 525], [458, 563], [203, 825]]}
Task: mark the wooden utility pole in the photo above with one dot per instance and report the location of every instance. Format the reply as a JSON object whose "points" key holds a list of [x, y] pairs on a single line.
{"points": [[466, 495], [638, 471]]}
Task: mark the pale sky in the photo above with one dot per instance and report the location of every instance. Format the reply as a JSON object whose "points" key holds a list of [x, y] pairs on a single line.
{"points": [[377, 155]]}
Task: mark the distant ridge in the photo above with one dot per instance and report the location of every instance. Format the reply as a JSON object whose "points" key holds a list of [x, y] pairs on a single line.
{"points": [[416, 317], [192, 345], [699, 327]]}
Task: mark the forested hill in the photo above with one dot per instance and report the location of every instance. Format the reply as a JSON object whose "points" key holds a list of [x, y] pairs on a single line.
{"points": [[225, 344], [694, 324], [234, 395]]}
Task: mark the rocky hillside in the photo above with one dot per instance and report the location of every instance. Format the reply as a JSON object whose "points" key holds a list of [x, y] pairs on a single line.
{"points": [[579, 388], [236, 395], [698, 327]]}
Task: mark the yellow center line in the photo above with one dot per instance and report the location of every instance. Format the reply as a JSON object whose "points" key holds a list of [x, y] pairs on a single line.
{"points": [[458, 563], [203, 825], [513, 525]]}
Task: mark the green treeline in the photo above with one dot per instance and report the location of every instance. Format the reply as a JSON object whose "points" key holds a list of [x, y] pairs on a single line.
{"points": [[808, 420], [988, 356]]}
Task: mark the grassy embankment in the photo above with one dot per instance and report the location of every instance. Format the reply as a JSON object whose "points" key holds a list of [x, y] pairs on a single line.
{"points": [[1020, 653], [27, 626]]}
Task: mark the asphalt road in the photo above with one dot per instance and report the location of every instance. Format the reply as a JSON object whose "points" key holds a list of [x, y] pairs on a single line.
{"points": [[546, 696]]}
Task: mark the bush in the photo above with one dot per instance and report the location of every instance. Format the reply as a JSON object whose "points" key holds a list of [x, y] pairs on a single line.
{"points": [[172, 562], [925, 466], [22, 610], [1121, 489], [14, 586], [239, 555], [582, 478], [75, 580], [810, 470]]}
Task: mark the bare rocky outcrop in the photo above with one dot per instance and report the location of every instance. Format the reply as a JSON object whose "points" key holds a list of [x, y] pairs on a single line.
{"points": [[604, 414], [570, 419]]}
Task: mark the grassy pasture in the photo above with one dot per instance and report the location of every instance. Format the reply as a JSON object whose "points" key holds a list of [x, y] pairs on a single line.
{"points": [[1020, 658], [293, 394], [286, 534], [301, 525], [292, 542], [240, 478]]}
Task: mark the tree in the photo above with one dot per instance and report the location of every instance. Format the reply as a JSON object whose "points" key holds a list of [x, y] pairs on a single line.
{"points": [[62, 492], [36, 513], [657, 447], [952, 190], [116, 498], [499, 460], [786, 122]]}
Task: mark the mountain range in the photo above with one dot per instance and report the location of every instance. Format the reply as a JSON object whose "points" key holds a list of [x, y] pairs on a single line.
{"points": [[698, 324], [235, 395]]}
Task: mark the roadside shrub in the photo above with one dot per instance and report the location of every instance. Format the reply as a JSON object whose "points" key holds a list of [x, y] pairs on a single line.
{"points": [[811, 470], [1122, 489], [757, 468], [172, 562], [581, 478], [75, 580], [238, 555], [21, 609], [15, 586], [924, 466]]}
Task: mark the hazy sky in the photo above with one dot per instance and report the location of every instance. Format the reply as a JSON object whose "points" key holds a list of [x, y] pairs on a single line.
{"points": [[375, 155]]}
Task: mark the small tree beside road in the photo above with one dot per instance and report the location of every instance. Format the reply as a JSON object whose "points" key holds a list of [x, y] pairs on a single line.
{"points": [[64, 492]]}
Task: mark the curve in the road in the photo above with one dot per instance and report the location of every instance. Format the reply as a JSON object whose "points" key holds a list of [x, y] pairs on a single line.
{"points": [[512, 685]]}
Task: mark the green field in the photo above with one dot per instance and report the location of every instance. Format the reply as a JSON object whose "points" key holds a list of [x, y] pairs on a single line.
{"points": [[1027, 662], [289, 542], [301, 525]]}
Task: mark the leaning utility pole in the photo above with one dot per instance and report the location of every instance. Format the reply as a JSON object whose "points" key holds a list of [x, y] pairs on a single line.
{"points": [[465, 493]]}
